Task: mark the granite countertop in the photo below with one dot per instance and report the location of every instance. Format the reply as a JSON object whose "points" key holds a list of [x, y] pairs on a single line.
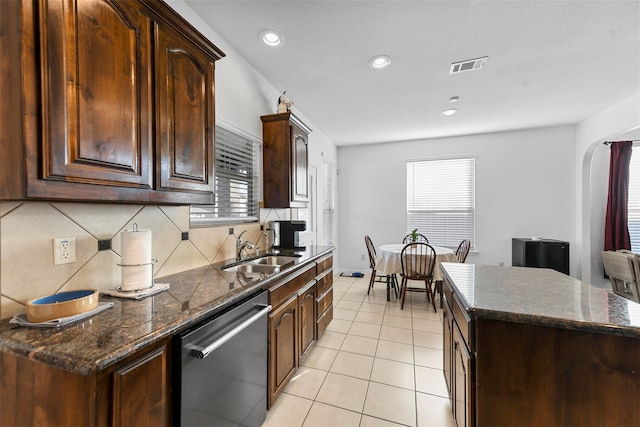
{"points": [[541, 296], [94, 344]]}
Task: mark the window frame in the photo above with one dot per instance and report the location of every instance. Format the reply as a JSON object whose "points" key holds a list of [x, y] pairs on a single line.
{"points": [[439, 238], [206, 215], [328, 203]]}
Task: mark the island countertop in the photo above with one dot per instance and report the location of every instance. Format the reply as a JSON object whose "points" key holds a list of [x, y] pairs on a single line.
{"points": [[543, 297], [98, 342]]}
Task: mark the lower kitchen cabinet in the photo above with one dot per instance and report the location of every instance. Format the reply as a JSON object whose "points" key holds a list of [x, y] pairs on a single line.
{"points": [[447, 347], [307, 308], [462, 384], [134, 392], [283, 348], [140, 390], [302, 305], [324, 294], [457, 360], [505, 369]]}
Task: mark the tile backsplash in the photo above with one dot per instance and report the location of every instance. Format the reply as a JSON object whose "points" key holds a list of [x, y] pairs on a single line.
{"points": [[27, 230]]}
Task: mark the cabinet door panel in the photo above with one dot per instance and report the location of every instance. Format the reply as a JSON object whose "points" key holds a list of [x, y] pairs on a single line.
{"points": [[462, 381], [300, 164], [95, 71], [307, 305], [447, 325], [185, 86], [283, 346], [140, 391]]}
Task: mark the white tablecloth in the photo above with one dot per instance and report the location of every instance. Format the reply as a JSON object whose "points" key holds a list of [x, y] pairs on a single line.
{"points": [[388, 259]]}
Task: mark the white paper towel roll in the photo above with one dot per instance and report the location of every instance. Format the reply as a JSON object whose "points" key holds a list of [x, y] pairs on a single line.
{"points": [[136, 247], [136, 277]]}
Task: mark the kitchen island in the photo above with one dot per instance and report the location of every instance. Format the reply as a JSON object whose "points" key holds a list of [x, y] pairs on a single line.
{"points": [[115, 367], [534, 347]]}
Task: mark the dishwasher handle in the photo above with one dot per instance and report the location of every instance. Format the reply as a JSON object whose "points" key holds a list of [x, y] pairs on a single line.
{"points": [[201, 353]]}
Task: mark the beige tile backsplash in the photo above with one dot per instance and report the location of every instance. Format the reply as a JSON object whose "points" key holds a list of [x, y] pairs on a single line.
{"points": [[26, 252]]}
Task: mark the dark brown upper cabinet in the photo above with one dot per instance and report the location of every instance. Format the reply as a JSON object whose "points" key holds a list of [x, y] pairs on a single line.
{"points": [[185, 132], [285, 161], [117, 103]]}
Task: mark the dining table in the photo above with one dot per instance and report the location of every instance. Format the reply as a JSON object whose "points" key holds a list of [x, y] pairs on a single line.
{"points": [[388, 261]]}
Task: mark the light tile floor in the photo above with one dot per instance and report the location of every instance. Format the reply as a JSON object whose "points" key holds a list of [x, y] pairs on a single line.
{"points": [[375, 366]]}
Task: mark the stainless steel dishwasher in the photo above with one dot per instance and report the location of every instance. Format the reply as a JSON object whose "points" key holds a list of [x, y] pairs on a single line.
{"points": [[221, 375]]}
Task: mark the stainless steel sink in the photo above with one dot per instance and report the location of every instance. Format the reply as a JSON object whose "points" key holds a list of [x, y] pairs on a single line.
{"points": [[252, 268], [266, 264], [273, 260]]}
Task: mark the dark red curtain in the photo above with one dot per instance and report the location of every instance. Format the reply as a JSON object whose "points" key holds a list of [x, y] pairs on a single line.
{"points": [[616, 230]]}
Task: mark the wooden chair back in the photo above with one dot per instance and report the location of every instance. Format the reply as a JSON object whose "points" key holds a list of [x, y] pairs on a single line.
{"points": [[463, 250], [371, 250], [418, 261]]}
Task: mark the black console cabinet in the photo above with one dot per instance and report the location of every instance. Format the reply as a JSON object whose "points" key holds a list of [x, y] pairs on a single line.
{"points": [[546, 253]]}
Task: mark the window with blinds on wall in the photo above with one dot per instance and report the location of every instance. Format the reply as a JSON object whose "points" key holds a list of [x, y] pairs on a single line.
{"points": [[328, 204], [633, 204], [441, 199], [236, 182]]}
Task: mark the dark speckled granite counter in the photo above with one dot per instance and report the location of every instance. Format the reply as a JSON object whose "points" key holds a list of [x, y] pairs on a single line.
{"points": [[110, 336], [543, 297]]}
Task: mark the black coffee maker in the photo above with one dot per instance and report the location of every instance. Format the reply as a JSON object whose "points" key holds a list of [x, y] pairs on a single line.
{"points": [[288, 234]]}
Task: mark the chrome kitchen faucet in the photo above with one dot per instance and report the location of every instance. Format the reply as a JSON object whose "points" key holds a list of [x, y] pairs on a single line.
{"points": [[240, 246]]}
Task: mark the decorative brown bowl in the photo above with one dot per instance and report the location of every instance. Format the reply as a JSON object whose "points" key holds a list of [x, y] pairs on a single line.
{"points": [[63, 304]]}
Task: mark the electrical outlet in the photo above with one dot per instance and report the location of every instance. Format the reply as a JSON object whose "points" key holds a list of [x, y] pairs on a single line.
{"points": [[362, 257], [64, 250], [230, 230]]}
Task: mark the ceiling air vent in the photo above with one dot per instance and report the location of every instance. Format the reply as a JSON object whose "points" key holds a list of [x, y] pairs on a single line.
{"points": [[468, 65]]}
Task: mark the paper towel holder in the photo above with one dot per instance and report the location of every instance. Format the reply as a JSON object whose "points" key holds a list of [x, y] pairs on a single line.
{"points": [[152, 264]]}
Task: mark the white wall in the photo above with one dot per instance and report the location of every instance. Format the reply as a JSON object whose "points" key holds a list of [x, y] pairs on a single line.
{"points": [[525, 186], [592, 164]]}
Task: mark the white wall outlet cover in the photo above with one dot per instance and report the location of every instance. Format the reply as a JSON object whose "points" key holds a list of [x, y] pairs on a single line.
{"points": [[64, 250]]}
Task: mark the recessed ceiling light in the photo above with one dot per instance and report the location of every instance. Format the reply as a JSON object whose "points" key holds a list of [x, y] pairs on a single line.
{"points": [[454, 99], [380, 61], [450, 111], [271, 38]]}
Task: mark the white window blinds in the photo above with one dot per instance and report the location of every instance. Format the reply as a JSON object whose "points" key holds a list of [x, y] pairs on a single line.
{"points": [[441, 200], [328, 205], [633, 205], [236, 182]]}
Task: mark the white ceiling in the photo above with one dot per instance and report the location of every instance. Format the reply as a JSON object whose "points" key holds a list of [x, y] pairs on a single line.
{"points": [[550, 62]]}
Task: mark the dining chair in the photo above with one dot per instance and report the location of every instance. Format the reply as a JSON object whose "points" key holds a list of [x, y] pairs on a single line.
{"points": [[463, 250], [409, 238], [418, 261], [461, 256], [389, 279]]}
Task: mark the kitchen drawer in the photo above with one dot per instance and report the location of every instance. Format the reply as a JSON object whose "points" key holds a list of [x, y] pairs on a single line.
{"points": [[463, 320], [323, 301], [291, 285], [325, 280], [325, 263], [324, 320]]}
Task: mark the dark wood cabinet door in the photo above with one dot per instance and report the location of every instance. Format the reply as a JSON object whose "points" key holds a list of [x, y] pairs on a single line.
{"points": [[447, 333], [299, 165], [140, 391], [285, 161], [95, 78], [307, 309], [283, 346], [462, 387], [185, 102]]}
